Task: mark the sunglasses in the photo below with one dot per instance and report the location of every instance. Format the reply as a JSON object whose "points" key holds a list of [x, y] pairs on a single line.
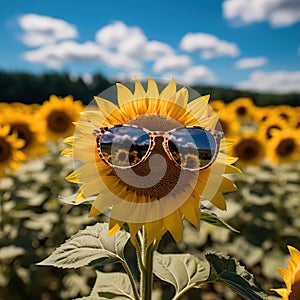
{"points": [[125, 146]]}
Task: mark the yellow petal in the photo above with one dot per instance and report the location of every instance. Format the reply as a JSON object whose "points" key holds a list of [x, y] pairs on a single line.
{"points": [[174, 225], [218, 201], [67, 152], [152, 91], [72, 178], [112, 231], [103, 202], [134, 228], [154, 230], [232, 170], [97, 118], [124, 94], [199, 107], [86, 172], [227, 185], [105, 106], [284, 293], [79, 196], [139, 92], [114, 226], [92, 187], [69, 140], [85, 127], [169, 92], [209, 122], [191, 213], [182, 97], [94, 212]]}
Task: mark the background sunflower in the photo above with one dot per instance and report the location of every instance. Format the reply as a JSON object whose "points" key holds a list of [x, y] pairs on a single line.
{"points": [[58, 115], [10, 154], [26, 126]]}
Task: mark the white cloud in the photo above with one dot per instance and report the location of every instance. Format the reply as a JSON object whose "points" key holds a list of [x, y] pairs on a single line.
{"points": [[197, 74], [171, 62], [41, 30], [209, 45], [278, 13], [276, 82], [156, 49], [251, 62], [54, 56], [112, 35], [131, 41]]}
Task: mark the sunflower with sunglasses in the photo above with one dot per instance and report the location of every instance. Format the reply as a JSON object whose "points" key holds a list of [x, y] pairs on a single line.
{"points": [[172, 158]]}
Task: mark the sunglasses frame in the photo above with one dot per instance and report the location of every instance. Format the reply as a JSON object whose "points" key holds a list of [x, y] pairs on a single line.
{"points": [[217, 135]]}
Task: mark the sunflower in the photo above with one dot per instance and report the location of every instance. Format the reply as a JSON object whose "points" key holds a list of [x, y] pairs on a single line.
{"points": [[58, 115], [269, 127], [284, 146], [10, 154], [27, 129], [157, 193], [283, 111], [249, 148], [295, 119], [217, 105], [229, 124], [241, 108], [262, 114], [291, 277]]}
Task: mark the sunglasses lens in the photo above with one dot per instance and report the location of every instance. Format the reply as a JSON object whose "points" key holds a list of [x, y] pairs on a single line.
{"points": [[192, 148], [124, 146]]}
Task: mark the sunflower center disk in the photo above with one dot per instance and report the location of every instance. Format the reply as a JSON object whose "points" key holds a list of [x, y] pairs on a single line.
{"points": [[286, 147], [24, 133], [58, 121], [5, 150], [295, 295], [155, 177]]}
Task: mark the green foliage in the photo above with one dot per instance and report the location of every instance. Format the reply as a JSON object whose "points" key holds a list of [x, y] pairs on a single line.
{"points": [[111, 286], [91, 246], [210, 217], [230, 272], [33, 223], [29, 88], [183, 271]]}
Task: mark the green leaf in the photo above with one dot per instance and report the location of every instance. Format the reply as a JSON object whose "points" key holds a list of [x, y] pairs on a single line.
{"points": [[90, 246], [231, 273], [180, 270], [210, 217], [111, 286]]}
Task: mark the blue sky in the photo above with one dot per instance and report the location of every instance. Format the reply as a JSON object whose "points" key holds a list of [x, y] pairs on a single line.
{"points": [[246, 44]]}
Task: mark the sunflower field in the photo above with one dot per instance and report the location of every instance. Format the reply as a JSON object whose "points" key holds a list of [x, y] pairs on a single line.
{"points": [[264, 212]]}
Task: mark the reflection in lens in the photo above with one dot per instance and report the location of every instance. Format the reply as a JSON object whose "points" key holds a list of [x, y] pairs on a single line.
{"points": [[124, 146], [194, 146]]}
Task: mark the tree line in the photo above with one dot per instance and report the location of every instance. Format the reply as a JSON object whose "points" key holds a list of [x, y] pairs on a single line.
{"points": [[32, 88]]}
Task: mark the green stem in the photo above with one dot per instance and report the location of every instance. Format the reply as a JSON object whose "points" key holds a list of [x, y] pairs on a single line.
{"points": [[131, 278], [147, 267]]}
